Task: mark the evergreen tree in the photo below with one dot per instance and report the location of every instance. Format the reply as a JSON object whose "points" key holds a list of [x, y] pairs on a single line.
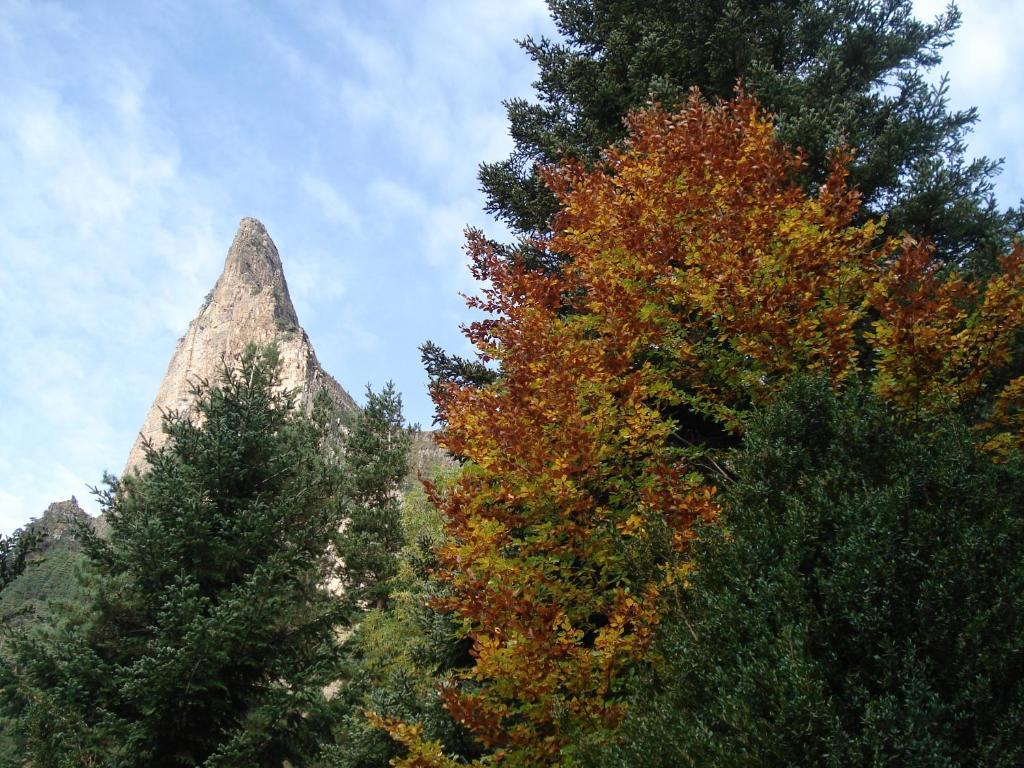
{"points": [[397, 644], [375, 462], [14, 553], [860, 602], [833, 71], [208, 634]]}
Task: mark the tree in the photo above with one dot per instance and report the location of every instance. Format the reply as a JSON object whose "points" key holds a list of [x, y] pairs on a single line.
{"points": [[701, 278], [859, 603], [375, 462], [395, 653], [208, 633], [833, 72], [395, 644], [698, 248], [15, 551]]}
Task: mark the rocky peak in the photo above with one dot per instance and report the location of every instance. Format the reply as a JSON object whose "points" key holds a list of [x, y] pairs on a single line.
{"points": [[249, 303], [58, 522], [61, 511], [254, 263]]}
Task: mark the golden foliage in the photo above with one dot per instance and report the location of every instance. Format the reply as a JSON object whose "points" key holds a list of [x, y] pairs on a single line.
{"points": [[699, 279]]}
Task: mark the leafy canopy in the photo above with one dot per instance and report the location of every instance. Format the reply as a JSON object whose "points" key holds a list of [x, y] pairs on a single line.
{"points": [[701, 278], [833, 72]]}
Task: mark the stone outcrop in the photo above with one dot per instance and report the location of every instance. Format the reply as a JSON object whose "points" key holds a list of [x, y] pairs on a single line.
{"points": [[249, 303], [427, 458], [58, 522]]}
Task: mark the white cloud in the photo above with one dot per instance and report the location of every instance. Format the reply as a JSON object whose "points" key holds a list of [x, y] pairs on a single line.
{"points": [[420, 89], [105, 241], [987, 72], [332, 205], [438, 229]]}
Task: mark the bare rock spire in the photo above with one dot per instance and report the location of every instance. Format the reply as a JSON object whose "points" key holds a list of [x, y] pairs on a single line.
{"points": [[253, 262], [249, 303]]}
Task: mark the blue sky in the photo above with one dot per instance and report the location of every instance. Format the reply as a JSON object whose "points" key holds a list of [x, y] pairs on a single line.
{"points": [[134, 136]]}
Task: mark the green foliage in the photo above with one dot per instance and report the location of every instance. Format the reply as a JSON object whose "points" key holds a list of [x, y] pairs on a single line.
{"points": [[207, 634], [52, 580], [285, 325], [15, 551], [375, 461], [860, 603], [52, 560], [834, 71], [442, 367], [396, 656]]}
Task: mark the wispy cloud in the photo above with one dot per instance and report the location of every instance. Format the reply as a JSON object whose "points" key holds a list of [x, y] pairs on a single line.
{"points": [[987, 72], [333, 206], [96, 207]]}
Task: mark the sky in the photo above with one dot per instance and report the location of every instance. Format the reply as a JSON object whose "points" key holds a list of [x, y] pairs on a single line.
{"points": [[135, 136]]}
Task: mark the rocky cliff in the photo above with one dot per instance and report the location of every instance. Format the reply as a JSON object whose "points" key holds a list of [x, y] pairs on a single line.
{"points": [[249, 303]]}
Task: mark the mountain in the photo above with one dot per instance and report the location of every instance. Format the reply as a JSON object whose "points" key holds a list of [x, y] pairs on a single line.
{"points": [[58, 523], [249, 303]]}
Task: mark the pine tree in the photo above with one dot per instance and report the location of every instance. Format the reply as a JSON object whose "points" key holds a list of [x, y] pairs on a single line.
{"points": [[15, 551], [208, 633], [394, 655], [397, 644], [375, 462], [832, 71]]}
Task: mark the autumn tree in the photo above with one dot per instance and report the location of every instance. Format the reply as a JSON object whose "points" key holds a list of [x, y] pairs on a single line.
{"points": [[834, 73], [700, 278]]}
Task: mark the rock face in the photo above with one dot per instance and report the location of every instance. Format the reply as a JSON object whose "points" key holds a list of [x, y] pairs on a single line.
{"points": [[58, 522], [249, 303]]}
